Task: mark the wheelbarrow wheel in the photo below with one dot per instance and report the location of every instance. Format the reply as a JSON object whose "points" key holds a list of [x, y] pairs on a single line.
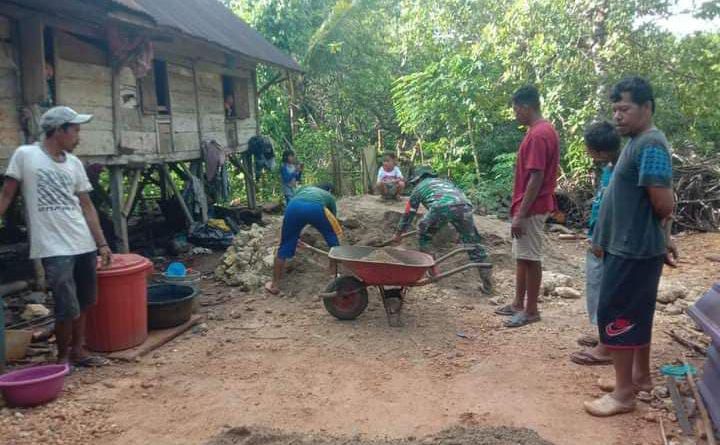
{"points": [[351, 299]]}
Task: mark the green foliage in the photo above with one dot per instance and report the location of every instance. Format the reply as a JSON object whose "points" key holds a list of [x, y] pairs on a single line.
{"points": [[435, 78]]}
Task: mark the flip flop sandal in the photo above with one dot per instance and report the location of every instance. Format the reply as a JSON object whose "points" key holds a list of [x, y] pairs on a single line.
{"points": [[91, 361], [585, 358], [588, 341], [271, 291], [507, 310], [607, 406], [520, 319]]}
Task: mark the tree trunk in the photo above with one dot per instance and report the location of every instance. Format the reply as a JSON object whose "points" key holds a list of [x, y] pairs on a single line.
{"points": [[472, 147]]}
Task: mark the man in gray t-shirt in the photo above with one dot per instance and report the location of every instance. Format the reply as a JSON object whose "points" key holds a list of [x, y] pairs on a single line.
{"points": [[65, 231], [632, 237]]}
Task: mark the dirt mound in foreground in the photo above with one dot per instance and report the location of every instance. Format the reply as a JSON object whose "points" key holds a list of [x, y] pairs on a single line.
{"points": [[452, 436]]}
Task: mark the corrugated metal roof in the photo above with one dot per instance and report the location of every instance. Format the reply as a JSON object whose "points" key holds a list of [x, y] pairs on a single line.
{"points": [[210, 20]]}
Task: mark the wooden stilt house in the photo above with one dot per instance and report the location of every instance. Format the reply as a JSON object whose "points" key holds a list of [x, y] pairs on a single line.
{"points": [[160, 76]]}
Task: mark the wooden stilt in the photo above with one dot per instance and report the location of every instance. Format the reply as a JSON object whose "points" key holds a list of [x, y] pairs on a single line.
{"points": [[241, 163], [163, 183], [116, 197], [130, 201], [178, 195]]}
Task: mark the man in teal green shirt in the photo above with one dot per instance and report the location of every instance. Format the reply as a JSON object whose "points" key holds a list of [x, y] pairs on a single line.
{"points": [[313, 206]]}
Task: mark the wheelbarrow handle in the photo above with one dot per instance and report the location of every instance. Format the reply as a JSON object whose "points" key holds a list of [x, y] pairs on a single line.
{"points": [[434, 278], [305, 245], [455, 252]]}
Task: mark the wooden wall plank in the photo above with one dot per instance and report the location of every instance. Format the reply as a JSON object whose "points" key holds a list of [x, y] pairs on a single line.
{"points": [[69, 70], [94, 142], [186, 141], [184, 122], [76, 50], [141, 141]]}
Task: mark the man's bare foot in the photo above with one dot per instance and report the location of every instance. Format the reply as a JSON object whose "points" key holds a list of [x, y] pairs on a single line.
{"points": [[608, 385], [270, 287]]}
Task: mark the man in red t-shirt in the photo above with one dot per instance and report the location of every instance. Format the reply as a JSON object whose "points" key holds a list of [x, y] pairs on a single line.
{"points": [[533, 200]]}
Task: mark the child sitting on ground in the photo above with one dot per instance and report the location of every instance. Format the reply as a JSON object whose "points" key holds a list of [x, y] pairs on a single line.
{"points": [[390, 182]]}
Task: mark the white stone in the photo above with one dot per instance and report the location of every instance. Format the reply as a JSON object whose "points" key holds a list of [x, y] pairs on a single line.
{"points": [[553, 280], [670, 293], [34, 311], [568, 293]]}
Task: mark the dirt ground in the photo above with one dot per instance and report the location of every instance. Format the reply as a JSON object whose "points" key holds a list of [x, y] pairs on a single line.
{"points": [[283, 363]]}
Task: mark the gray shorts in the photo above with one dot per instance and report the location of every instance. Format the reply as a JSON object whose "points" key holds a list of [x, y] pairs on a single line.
{"points": [[529, 246], [593, 278], [73, 282]]}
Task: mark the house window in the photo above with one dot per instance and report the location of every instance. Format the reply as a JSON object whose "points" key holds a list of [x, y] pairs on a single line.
{"points": [[236, 98], [228, 97], [162, 91], [154, 90]]}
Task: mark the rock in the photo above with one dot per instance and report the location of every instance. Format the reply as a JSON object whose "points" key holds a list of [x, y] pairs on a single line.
{"points": [[200, 328], [269, 260], [650, 417], [351, 223], [495, 301], [568, 293], [669, 293], [644, 396], [673, 309], [713, 258], [661, 392], [553, 280], [34, 311]]}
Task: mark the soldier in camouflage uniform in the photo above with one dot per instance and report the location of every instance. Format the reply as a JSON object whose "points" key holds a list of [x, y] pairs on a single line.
{"points": [[446, 203]]}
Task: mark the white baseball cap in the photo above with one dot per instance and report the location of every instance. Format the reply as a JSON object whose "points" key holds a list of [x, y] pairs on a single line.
{"points": [[57, 116]]}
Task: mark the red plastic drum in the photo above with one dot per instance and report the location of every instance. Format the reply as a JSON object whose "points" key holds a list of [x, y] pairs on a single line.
{"points": [[119, 319]]}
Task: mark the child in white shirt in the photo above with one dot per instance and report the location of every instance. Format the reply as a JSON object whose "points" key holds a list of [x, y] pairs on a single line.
{"points": [[390, 181]]}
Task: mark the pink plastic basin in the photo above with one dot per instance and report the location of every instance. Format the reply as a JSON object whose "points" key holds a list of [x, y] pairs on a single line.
{"points": [[33, 386]]}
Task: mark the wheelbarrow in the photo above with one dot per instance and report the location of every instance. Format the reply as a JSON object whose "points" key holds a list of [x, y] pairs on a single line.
{"points": [[346, 296]]}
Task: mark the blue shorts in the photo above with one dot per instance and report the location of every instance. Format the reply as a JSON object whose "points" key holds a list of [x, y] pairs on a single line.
{"points": [[299, 214]]}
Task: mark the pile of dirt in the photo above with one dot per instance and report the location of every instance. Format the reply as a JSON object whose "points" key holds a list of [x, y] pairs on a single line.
{"points": [[453, 436], [246, 263]]}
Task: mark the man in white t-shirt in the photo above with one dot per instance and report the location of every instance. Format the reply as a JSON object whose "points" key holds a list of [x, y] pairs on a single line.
{"points": [[64, 227], [390, 181]]}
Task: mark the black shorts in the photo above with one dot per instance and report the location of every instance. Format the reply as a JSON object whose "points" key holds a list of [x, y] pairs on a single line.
{"points": [[73, 282], [627, 301]]}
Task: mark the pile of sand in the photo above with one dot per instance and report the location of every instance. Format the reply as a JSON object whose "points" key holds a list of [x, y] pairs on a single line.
{"points": [[381, 256], [452, 436]]}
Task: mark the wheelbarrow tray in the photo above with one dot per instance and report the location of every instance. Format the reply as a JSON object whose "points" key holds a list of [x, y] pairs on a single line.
{"points": [[411, 265]]}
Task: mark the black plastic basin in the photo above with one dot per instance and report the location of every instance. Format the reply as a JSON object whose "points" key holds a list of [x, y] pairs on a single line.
{"points": [[169, 305]]}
